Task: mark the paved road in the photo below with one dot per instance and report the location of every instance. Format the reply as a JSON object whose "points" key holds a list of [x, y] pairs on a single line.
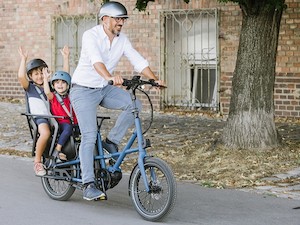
{"points": [[24, 202]]}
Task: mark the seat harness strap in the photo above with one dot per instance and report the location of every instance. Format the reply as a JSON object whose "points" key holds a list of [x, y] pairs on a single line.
{"points": [[42, 97], [61, 102]]}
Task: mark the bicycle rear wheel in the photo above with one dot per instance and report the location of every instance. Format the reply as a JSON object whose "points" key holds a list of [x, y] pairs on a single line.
{"points": [[56, 187], [160, 200]]}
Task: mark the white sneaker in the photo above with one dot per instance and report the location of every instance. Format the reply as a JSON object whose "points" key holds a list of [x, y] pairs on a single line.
{"points": [[39, 169]]}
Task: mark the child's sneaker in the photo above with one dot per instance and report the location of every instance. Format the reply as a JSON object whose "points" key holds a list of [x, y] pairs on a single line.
{"points": [[39, 169]]}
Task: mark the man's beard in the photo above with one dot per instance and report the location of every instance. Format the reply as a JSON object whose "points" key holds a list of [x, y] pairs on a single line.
{"points": [[116, 32]]}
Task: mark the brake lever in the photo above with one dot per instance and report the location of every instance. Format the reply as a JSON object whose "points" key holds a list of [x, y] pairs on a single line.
{"points": [[153, 83]]}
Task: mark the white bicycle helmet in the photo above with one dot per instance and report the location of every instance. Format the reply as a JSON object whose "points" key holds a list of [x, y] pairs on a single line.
{"points": [[113, 9]]}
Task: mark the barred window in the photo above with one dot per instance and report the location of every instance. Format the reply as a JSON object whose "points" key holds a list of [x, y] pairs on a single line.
{"points": [[189, 59], [68, 30]]}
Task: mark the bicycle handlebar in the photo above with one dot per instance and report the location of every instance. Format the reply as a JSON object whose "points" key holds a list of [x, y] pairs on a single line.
{"points": [[136, 81]]}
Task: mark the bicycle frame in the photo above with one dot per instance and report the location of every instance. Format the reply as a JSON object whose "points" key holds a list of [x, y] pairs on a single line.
{"points": [[137, 134]]}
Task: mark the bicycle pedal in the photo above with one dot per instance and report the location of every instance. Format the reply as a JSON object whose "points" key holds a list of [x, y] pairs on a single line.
{"points": [[147, 143], [101, 198], [112, 162]]}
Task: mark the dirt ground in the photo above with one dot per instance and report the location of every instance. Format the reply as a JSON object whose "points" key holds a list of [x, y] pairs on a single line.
{"points": [[188, 143]]}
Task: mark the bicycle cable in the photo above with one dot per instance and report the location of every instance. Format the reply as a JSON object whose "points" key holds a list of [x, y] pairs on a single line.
{"points": [[151, 109]]}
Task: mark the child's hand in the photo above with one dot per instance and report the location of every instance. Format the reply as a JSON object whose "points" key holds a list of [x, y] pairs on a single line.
{"points": [[65, 51], [23, 53], [46, 74]]}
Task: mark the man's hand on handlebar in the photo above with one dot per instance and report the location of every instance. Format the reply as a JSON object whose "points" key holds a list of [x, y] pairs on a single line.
{"points": [[161, 84], [116, 81]]}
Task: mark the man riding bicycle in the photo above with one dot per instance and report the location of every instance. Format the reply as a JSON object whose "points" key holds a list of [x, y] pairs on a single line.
{"points": [[102, 48]]}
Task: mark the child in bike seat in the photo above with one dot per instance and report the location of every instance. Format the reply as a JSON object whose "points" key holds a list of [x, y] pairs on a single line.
{"points": [[60, 105], [30, 76]]}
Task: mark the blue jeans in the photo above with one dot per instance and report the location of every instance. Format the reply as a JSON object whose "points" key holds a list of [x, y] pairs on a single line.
{"points": [[65, 133], [85, 102]]}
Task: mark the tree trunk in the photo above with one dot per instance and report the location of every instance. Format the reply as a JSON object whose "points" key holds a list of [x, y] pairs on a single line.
{"points": [[250, 122]]}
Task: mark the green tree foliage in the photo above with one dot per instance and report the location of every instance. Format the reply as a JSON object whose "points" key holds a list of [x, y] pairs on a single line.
{"points": [[141, 5]]}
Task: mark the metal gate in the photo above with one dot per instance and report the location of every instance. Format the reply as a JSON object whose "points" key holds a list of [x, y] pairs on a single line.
{"points": [[68, 30], [190, 58]]}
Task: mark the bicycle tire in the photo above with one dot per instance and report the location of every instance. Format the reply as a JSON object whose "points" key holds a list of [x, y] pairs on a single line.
{"points": [[57, 189], [159, 202]]}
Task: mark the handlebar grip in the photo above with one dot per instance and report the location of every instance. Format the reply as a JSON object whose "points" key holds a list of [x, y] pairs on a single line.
{"points": [[125, 82]]}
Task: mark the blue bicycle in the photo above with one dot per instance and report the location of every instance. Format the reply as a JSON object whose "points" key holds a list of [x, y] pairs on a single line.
{"points": [[152, 186]]}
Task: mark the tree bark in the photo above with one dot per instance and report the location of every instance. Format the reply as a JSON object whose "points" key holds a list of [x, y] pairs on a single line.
{"points": [[250, 123]]}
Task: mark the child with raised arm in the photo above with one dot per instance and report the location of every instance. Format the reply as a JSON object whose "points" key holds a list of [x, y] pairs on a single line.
{"points": [[30, 76], [60, 105]]}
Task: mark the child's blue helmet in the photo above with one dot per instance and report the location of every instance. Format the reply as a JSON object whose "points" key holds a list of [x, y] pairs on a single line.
{"points": [[61, 75]]}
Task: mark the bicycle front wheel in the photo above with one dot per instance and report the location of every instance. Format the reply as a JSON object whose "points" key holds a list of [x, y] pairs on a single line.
{"points": [[160, 200]]}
